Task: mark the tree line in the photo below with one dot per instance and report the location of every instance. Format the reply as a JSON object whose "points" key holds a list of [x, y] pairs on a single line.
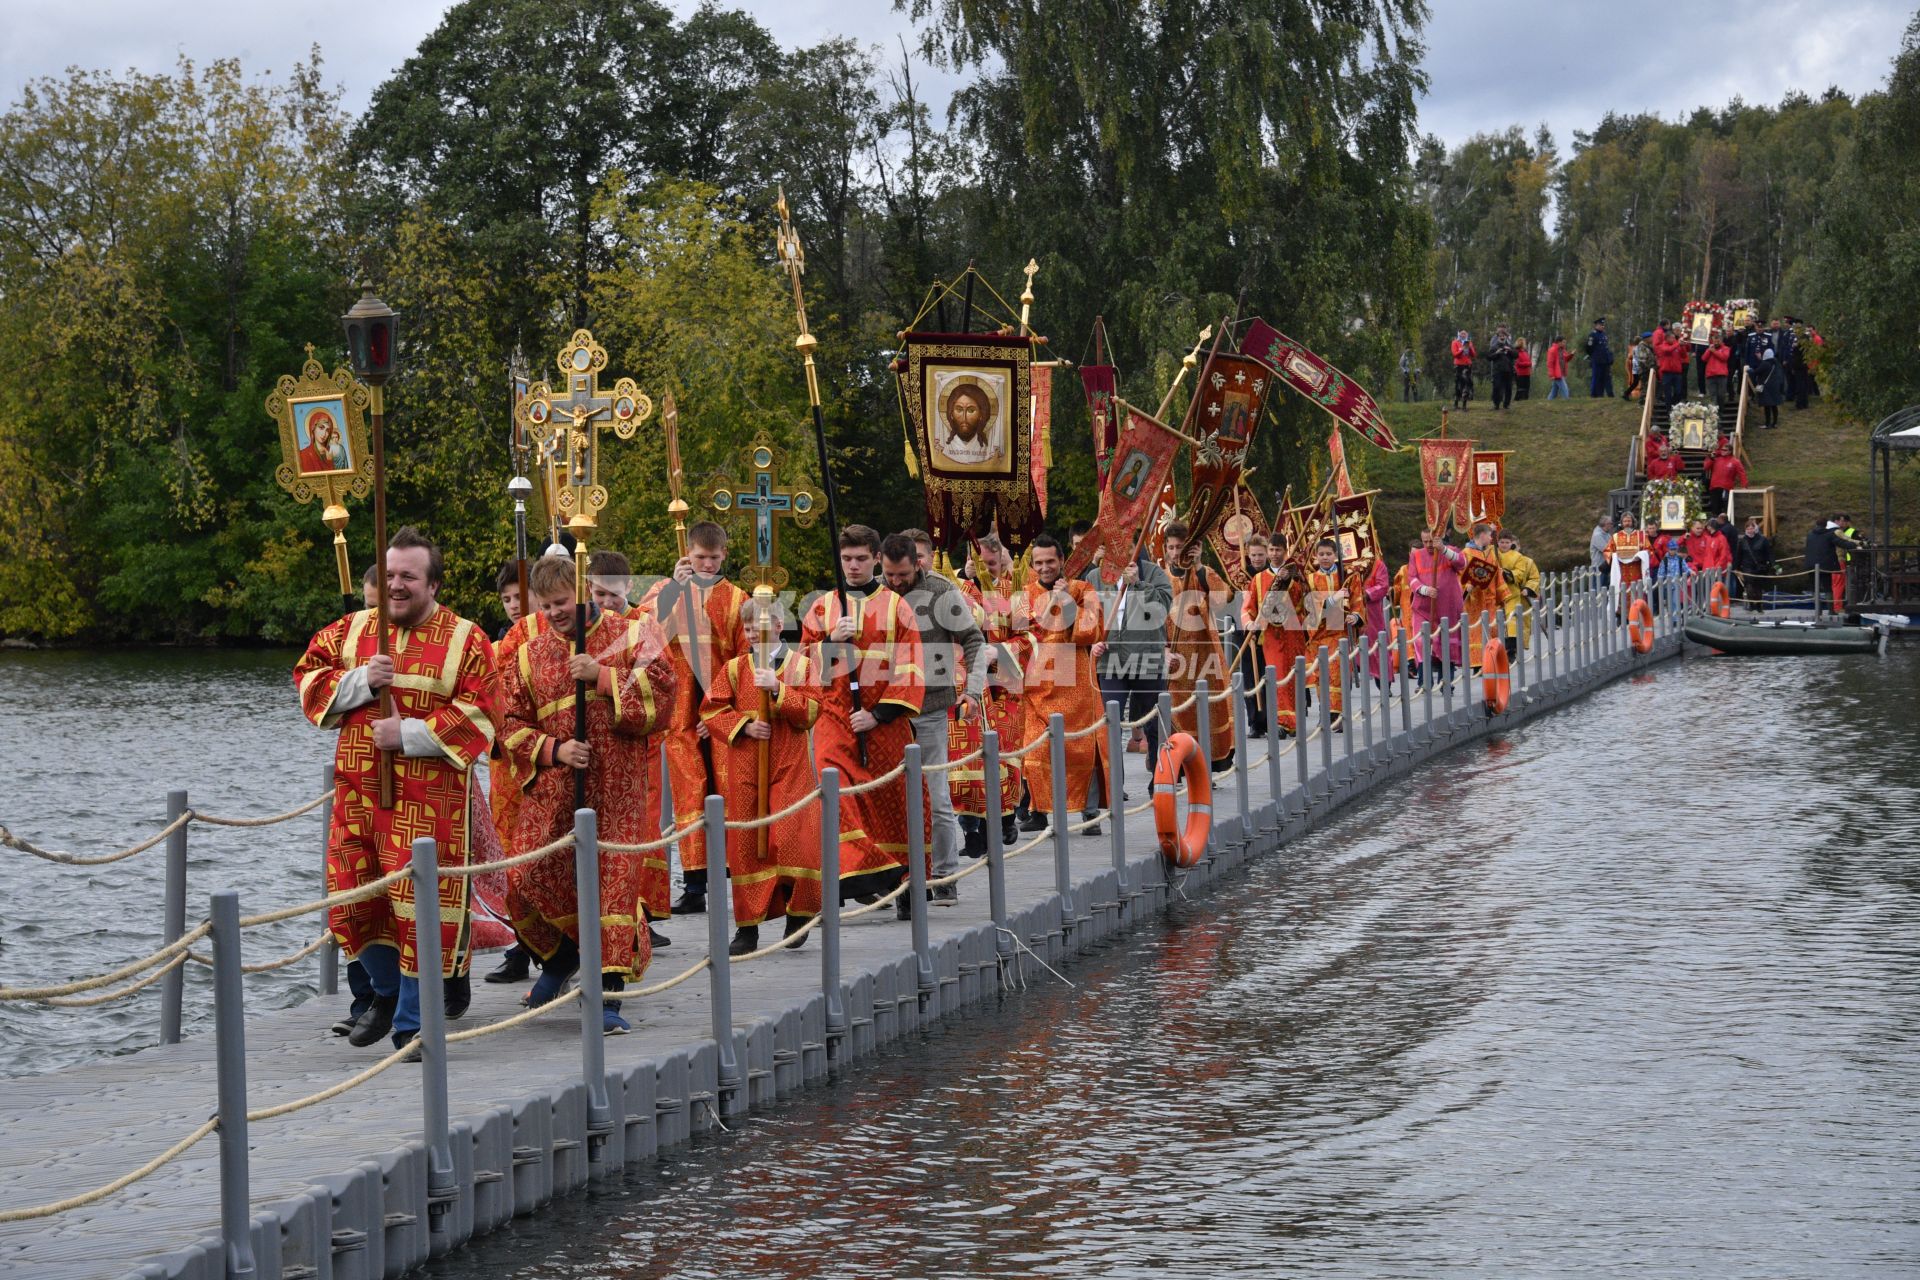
{"points": [[170, 244]]}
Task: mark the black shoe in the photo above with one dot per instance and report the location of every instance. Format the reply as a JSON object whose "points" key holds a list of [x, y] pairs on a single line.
{"points": [[344, 1026], [1034, 822], [657, 939], [691, 904], [401, 1039], [374, 1023], [458, 994], [946, 893], [746, 940], [794, 925], [902, 908], [1009, 832], [514, 966]]}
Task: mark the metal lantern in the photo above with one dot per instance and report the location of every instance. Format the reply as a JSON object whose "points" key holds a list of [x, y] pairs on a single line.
{"points": [[370, 339]]}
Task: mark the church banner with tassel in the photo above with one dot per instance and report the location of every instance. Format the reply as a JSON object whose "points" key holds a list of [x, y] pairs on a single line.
{"points": [[1318, 381], [1228, 403], [1489, 486], [1142, 465], [1101, 383], [1446, 474], [969, 401]]}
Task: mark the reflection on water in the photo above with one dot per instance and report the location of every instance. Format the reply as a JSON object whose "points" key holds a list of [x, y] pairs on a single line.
{"points": [[1631, 991]]}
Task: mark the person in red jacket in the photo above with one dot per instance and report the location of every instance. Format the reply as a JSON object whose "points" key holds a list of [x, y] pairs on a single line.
{"points": [[1522, 370], [1719, 357], [1705, 548], [1557, 370], [1670, 358], [1664, 464], [1724, 472], [1463, 357]]}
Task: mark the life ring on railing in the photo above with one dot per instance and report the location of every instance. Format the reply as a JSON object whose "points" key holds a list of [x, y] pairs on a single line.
{"points": [[1640, 626], [1496, 685], [1719, 603], [1181, 757]]}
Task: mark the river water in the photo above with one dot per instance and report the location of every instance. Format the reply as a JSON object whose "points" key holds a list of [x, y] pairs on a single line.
{"points": [[1634, 990]]}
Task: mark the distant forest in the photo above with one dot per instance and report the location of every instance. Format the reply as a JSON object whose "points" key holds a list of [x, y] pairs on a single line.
{"points": [[169, 244]]}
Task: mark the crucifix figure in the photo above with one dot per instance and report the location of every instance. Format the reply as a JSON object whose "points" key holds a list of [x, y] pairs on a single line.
{"points": [[566, 428], [768, 502]]}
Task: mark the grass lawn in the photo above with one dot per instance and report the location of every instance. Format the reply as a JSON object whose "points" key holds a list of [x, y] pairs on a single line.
{"points": [[1567, 454]]}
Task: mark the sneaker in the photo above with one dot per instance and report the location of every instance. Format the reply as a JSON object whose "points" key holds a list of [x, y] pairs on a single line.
{"points": [[611, 1022], [458, 995], [746, 940], [691, 904], [514, 966], [946, 895], [1093, 830], [553, 980], [401, 1039]]}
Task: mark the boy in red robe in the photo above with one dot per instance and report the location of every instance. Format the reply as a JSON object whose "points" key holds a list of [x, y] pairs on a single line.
{"points": [[439, 674], [770, 697], [865, 652], [629, 682], [1484, 586], [1270, 613], [1325, 598], [1061, 621]]}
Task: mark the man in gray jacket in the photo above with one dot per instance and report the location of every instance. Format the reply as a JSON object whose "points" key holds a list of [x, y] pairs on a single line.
{"points": [[949, 637], [1133, 660]]}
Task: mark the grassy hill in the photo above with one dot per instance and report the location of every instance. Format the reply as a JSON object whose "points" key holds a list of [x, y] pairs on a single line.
{"points": [[1566, 455]]}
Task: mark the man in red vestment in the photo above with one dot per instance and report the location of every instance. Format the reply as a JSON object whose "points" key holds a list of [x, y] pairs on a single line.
{"points": [[1485, 589], [440, 677], [1325, 597], [700, 610], [1628, 552], [629, 682], [990, 589], [770, 698], [1194, 651], [1270, 613], [1061, 619], [866, 654]]}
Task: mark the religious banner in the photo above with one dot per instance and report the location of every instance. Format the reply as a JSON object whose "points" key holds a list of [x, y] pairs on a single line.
{"points": [[1349, 523], [1446, 473], [1101, 383], [1739, 310], [1142, 465], [1489, 487], [969, 402], [1042, 431], [1228, 539], [1318, 381], [1337, 450], [323, 447], [1222, 416]]}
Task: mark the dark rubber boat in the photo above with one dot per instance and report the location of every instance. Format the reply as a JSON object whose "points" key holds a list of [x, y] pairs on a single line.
{"points": [[1785, 636]]}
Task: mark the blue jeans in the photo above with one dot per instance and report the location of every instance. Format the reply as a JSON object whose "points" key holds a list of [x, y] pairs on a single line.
{"points": [[1558, 390], [383, 968]]}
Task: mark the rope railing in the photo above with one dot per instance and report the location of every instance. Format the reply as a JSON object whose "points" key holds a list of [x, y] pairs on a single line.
{"points": [[517, 860], [78, 985], [268, 966], [12, 841], [120, 1183], [133, 988]]}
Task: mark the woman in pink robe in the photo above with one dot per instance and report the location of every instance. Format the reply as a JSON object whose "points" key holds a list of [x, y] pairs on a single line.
{"points": [[1433, 582], [1377, 586]]}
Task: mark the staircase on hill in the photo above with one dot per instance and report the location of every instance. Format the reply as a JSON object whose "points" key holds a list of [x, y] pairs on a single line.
{"points": [[1655, 417]]}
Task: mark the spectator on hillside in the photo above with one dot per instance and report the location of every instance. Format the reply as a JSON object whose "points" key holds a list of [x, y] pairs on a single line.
{"points": [[1724, 472], [1523, 370], [1599, 361], [1557, 358], [1670, 352], [1753, 562], [1770, 387], [1664, 463], [1500, 358], [1639, 364], [1463, 357], [1407, 371], [1717, 359]]}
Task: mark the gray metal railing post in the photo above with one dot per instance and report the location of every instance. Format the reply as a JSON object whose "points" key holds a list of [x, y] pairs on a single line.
{"points": [[837, 1026], [230, 1077], [996, 848], [1522, 635], [1274, 782], [1365, 682], [1057, 769], [1406, 684], [1203, 722], [1429, 676], [917, 870], [1241, 746], [1300, 730], [1447, 664], [1116, 803], [1163, 708], [1324, 702], [593, 1035], [719, 938], [1340, 681], [432, 1041], [173, 987], [330, 949]]}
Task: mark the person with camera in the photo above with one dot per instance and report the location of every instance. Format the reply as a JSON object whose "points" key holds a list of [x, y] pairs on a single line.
{"points": [[1463, 358]]}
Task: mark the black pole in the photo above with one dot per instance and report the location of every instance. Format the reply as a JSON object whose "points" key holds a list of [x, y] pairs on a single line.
{"points": [[966, 311]]}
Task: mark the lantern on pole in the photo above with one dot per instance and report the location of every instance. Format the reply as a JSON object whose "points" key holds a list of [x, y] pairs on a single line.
{"points": [[371, 350]]}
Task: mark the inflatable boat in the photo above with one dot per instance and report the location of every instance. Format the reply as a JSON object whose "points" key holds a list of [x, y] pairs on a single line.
{"points": [[1785, 636]]}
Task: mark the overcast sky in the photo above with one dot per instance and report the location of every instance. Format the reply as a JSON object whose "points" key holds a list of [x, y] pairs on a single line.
{"points": [[1491, 64]]}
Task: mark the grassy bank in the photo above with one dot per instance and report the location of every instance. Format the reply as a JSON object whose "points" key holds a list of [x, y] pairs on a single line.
{"points": [[1567, 454]]}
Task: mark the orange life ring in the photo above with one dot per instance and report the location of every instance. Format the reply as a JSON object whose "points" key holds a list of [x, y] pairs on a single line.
{"points": [[1496, 685], [1181, 757], [1719, 604], [1640, 626]]}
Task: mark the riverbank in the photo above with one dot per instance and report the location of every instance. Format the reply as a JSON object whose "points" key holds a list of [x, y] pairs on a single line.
{"points": [[329, 1179]]}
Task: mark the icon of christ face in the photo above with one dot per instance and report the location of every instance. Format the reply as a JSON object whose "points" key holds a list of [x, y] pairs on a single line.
{"points": [[969, 434], [966, 414]]}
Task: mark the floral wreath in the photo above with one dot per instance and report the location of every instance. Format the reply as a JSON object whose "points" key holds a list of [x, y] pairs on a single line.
{"points": [[1657, 491]]}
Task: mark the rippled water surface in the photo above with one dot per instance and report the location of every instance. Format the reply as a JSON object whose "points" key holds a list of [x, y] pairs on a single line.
{"points": [[1634, 991]]}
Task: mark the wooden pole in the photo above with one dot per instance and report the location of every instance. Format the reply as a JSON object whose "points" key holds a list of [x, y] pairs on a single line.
{"points": [[379, 406]]}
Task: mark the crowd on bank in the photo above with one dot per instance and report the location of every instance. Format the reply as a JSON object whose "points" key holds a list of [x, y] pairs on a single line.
{"points": [[697, 688]]}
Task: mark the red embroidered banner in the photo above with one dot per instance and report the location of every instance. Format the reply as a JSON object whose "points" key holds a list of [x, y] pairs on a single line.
{"points": [[1489, 488], [1318, 381], [1337, 450], [1223, 415], [1229, 538], [1446, 473], [1101, 383], [1042, 375], [1142, 464]]}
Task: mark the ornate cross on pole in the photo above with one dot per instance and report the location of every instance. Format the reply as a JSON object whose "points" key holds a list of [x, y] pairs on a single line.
{"points": [[767, 502], [567, 428]]}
